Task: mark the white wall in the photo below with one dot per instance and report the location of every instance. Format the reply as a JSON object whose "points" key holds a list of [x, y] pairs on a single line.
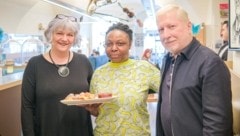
{"points": [[24, 16], [236, 62]]}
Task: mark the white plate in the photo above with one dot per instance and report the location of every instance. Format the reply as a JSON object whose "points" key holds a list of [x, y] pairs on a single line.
{"points": [[90, 101]]}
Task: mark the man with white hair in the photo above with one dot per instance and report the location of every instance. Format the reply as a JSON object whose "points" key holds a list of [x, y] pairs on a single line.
{"points": [[195, 92]]}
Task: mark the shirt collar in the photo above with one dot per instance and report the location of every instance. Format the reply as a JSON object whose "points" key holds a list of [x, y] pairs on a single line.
{"points": [[190, 49], [128, 61]]}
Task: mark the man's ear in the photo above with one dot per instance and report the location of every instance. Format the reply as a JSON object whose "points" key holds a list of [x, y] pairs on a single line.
{"points": [[189, 25]]}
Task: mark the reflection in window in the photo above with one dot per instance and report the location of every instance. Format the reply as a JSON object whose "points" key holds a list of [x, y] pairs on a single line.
{"points": [[20, 48], [11, 51], [31, 47], [14, 46]]}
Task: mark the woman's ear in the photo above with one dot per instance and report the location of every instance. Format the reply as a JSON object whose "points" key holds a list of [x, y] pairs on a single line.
{"points": [[130, 46]]}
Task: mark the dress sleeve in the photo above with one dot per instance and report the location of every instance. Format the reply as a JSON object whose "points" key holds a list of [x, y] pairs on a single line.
{"points": [[28, 100], [155, 77], [94, 82], [90, 70]]}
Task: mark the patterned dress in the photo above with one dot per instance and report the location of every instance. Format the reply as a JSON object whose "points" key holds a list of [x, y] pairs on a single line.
{"points": [[126, 115]]}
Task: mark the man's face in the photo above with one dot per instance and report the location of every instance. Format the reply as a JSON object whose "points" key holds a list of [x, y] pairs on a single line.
{"points": [[174, 32], [224, 32]]}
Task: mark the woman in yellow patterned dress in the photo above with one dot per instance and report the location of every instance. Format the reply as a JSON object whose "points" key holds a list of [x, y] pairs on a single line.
{"points": [[128, 79]]}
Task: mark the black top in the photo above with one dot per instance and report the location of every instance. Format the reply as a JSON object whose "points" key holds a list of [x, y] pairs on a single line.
{"points": [[200, 98], [42, 89], [223, 51]]}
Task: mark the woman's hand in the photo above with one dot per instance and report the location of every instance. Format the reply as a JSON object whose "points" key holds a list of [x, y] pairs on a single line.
{"points": [[92, 108]]}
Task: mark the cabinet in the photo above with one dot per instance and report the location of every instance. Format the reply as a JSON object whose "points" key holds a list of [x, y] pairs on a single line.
{"points": [[235, 80], [201, 36], [10, 107]]}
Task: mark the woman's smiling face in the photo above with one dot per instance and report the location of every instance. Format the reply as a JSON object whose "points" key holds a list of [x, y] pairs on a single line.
{"points": [[63, 39]]}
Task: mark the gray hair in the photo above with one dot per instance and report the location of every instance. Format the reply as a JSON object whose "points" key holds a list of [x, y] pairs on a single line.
{"points": [[181, 13], [63, 23]]}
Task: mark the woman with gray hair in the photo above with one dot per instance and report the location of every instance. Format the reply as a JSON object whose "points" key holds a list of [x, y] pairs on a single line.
{"points": [[50, 77]]}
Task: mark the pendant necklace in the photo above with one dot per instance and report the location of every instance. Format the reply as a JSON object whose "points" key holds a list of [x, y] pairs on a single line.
{"points": [[63, 71]]}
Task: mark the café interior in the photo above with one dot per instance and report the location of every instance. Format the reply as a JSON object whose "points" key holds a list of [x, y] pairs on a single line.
{"points": [[23, 22]]}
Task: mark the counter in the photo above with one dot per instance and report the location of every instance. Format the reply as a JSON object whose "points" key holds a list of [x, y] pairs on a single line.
{"points": [[10, 104], [235, 80], [11, 80]]}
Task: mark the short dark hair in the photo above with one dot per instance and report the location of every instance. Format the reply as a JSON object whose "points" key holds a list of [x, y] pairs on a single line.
{"points": [[97, 53], [225, 22], [123, 27]]}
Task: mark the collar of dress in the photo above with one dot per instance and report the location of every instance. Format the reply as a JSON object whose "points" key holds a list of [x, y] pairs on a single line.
{"points": [[124, 63]]}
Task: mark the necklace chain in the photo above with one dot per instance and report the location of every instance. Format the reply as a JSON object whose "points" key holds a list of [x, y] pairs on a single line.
{"points": [[54, 62], [63, 71]]}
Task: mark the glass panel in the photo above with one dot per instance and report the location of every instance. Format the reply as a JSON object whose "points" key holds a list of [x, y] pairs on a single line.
{"points": [[152, 41], [11, 51], [17, 50], [31, 47]]}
